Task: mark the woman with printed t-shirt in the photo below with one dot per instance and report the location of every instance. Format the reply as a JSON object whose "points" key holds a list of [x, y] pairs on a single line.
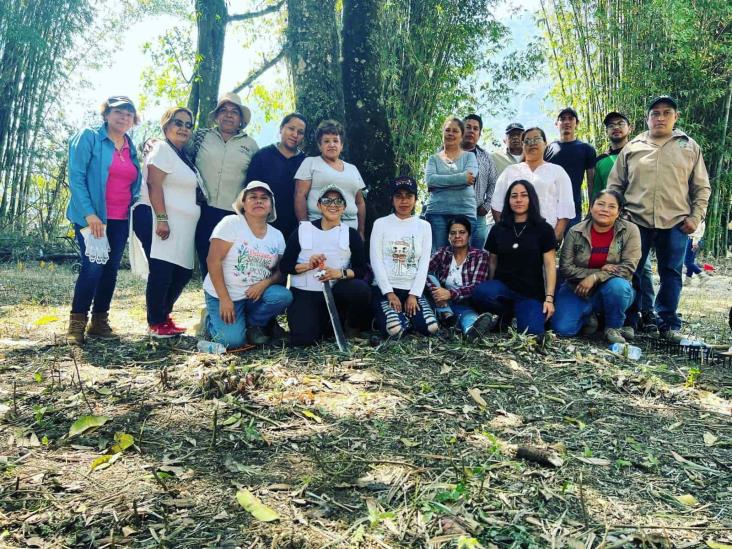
{"points": [[599, 257], [522, 267], [104, 180], [400, 258], [317, 252], [165, 220], [241, 288], [317, 172]]}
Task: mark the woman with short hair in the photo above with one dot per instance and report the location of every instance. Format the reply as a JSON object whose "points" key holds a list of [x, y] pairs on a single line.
{"points": [[399, 251], [242, 288], [104, 181], [317, 172], [450, 175], [455, 270], [321, 252], [598, 259], [522, 263], [165, 220]]}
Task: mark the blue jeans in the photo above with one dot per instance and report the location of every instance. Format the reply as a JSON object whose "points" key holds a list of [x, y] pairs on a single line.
{"points": [[480, 233], [439, 228], [670, 245], [647, 293], [274, 301], [612, 298], [690, 260], [494, 296], [96, 282], [465, 313]]}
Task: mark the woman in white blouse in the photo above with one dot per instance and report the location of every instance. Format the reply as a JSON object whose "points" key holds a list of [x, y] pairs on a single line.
{"points": [[318, 172], [551, 182], [165, 220]]}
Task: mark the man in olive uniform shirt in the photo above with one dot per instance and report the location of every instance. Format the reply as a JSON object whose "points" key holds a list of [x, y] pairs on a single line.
{"points": [[662, 175]]}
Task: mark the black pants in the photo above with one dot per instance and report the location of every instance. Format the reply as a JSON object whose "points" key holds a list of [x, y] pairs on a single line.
{"points": [[166, 280], [308, 316], [210, 217]]}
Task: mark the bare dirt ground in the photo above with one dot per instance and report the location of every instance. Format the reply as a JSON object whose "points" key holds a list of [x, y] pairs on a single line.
{"points": [[423, 443]]}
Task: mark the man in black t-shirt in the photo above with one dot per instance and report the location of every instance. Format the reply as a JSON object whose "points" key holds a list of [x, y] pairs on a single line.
{"points": [[575, 156]]}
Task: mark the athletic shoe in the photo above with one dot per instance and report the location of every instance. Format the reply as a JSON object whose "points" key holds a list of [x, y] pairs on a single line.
{"points": [[482, 326], [170, 322], [613, 335], [162, 330], [648, 322], [590, 326]]}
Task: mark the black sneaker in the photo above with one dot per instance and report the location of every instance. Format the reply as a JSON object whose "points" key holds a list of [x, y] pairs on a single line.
{"points": [[256, 335], [482, 326], [648, 322]]}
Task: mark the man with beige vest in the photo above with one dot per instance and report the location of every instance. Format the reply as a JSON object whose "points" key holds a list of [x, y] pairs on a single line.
{"points": [[662, 175]]}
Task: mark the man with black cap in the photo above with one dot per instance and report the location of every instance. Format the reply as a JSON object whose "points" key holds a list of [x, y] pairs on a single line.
{"points": [[575, 156], [662, 175], [514, 148]]}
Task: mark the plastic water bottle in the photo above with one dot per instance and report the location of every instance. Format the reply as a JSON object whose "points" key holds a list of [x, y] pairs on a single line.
{"points": [[211, 347], [691, 343], [628, 351]]}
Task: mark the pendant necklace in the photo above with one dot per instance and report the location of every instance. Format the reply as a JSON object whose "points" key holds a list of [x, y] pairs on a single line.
{"points": [[518, 235], [120, 150]]}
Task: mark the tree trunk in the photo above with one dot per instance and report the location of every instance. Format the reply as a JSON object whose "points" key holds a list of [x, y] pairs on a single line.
{"points": [[313, 55], [366, 118], [211, 20]]}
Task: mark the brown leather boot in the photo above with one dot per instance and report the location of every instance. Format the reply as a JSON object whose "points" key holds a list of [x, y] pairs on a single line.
{"points": [[100, 327], [77, 326]]}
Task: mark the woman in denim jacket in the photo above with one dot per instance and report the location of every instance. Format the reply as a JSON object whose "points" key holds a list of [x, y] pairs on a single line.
{"points": [[104, 179]]}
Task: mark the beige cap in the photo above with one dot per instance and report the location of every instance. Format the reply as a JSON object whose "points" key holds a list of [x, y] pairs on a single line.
{"points": [[234, 99], [238, 203]]}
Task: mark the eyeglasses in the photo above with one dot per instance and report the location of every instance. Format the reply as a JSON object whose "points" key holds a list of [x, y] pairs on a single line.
{"points": [[620, 125], [228, 111], [325, 201], [533, 140], [182, 123]]}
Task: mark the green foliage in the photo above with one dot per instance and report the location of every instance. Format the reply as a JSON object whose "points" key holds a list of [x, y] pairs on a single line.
{"points": [[607, 56], [167, 79]]}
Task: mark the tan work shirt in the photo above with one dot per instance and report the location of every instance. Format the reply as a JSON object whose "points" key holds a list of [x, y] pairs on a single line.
{"points": [[223, 166], [503, 159], [662, 184]]}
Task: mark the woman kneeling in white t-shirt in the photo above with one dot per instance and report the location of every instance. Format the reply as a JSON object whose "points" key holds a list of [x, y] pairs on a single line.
{"points": [[241, 288]]}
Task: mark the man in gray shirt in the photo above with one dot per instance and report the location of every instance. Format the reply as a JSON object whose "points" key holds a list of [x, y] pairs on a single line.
{"points": [[485, 183]]}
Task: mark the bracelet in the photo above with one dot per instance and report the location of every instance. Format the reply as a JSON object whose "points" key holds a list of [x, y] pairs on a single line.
{"points": [[161, 217]]}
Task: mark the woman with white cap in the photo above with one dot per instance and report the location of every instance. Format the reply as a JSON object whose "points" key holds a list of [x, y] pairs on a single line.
{"points": [[318, 252], [222, 155], [241, 288]]}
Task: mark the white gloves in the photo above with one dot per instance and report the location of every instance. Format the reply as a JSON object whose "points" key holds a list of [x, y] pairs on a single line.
{"points": [[97, 249]]}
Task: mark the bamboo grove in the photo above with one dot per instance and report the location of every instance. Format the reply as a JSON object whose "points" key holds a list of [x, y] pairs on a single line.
{"points": [[615, 54]]}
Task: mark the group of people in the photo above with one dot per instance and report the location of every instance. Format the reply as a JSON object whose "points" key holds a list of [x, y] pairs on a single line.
{"points": [[482, 253]]}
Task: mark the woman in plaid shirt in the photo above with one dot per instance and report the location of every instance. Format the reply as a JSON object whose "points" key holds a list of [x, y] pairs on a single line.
{"points": [[453, 273]]}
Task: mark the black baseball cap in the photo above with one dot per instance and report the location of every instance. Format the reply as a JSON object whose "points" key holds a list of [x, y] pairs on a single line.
{"points": [[662, 99], [514, 126], [569, 110], [404, 183], [614, 114]]}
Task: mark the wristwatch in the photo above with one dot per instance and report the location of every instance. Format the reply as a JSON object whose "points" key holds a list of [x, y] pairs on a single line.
{"points": [[344, 274]]}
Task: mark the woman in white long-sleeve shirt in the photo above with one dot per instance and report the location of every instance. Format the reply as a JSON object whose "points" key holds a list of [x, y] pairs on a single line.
{"points": [[400, 257], [552, 184]]}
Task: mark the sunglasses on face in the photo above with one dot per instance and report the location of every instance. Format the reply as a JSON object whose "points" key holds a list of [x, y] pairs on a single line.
{"points": [[182, 123], [332, 201], [533, 141]]}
